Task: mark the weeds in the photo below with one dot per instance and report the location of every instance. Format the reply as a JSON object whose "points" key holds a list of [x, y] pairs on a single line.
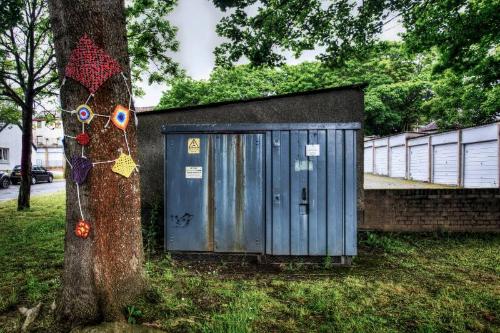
{"points": [[133, 314], [399, 283], [150, 228]]}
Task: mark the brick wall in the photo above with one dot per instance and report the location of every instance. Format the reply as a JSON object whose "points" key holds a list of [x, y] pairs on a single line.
{"points": [[464, 210]]}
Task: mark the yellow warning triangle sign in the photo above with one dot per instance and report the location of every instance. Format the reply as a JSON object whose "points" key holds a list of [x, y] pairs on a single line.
{"points": [[194, 146]]}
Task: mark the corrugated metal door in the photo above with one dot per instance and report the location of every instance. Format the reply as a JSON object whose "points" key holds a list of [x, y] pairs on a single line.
{"points": [[368, 163], [381, 161], [481, 164], [445, 164], [215, 192], [313, 194], [419, 163], [239, 189], [398, 161], [189, 205]]}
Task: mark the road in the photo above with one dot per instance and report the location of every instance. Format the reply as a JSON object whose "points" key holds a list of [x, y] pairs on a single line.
{"points": [[37, 189], [381, 182], [371, 182]]}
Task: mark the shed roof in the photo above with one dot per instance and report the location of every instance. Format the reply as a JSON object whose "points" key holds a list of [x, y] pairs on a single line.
{"points": [[144, 111]]}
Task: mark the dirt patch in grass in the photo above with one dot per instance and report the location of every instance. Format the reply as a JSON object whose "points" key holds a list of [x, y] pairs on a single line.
{"points": [[398, 283]]}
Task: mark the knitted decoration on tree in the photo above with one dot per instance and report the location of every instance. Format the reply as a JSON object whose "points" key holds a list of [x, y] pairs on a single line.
{"points": [[83, 139], [84, 113], [82, 229], [120, 117], [80, 169], [91, 65], [124, 165]]}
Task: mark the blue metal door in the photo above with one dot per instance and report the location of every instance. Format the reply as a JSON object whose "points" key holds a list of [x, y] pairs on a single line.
{"points": [[189, 201], [313, 190], [215, 192], [239, 193]]}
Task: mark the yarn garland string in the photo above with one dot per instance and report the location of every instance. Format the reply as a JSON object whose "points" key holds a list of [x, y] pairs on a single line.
{"points": [[91, 66]]}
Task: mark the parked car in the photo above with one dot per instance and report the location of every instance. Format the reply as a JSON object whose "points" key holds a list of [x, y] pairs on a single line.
{"points": [[38, 174], [4, 180]]}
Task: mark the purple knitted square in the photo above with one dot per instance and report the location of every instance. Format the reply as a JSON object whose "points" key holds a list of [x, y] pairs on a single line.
{"points": [[80, 169]]}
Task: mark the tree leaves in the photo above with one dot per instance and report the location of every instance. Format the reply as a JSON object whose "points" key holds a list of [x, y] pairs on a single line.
{"points": [[344, 29], [151, 38]]}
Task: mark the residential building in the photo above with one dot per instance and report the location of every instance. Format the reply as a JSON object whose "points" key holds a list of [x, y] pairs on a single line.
{"points": [[47, 137], [10, 147]]}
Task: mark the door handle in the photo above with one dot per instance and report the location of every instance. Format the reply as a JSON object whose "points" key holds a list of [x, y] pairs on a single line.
{"points": [[304, 194]]}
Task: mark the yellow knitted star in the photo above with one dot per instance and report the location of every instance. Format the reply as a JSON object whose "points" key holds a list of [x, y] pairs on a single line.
{"points": [[124, 165]]}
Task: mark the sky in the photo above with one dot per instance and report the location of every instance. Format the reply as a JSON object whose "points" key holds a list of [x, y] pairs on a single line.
{"points": [[196, 21]]}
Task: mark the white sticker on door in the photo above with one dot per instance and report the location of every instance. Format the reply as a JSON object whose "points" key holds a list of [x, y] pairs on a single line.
{"points": [[303, 166], [194, 172], [312, 150]]}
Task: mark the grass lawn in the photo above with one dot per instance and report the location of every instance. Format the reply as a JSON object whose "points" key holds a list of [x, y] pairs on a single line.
{"points": [[410, 283]]}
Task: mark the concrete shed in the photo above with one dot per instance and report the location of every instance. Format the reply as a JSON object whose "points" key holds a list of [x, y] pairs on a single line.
{"points": [[337, 108]]}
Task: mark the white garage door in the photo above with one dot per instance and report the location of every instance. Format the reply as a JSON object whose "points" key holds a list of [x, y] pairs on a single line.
{"points": [[398, 162], [419, 163], [445, 164], [381, 161], [481, 164], [368, 159]]}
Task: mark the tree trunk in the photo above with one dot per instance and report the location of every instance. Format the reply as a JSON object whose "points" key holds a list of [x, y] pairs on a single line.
{"points": [[103, 273], [23, 200]]}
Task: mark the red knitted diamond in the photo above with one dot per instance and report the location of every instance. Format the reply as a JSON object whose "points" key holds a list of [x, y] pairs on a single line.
{"points": [[83, 139], [90, 65]]}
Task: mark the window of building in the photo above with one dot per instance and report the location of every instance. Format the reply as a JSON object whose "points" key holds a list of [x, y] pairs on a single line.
{"points": [[4, 155], [39, 140]]}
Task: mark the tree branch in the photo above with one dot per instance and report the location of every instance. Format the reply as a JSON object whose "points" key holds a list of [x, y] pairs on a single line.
{"points": [[9, 92], [38, 89], [17, 60]]}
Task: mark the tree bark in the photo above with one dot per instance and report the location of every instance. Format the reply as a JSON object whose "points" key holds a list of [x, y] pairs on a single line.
{"points": [[103, 273], [23, 200]]}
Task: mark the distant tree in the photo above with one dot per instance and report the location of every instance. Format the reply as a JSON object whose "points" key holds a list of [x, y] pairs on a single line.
{"points": [[27, 72], [397, 86], [9, 113], [466, 34], [459, 101], [396, 107]]}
